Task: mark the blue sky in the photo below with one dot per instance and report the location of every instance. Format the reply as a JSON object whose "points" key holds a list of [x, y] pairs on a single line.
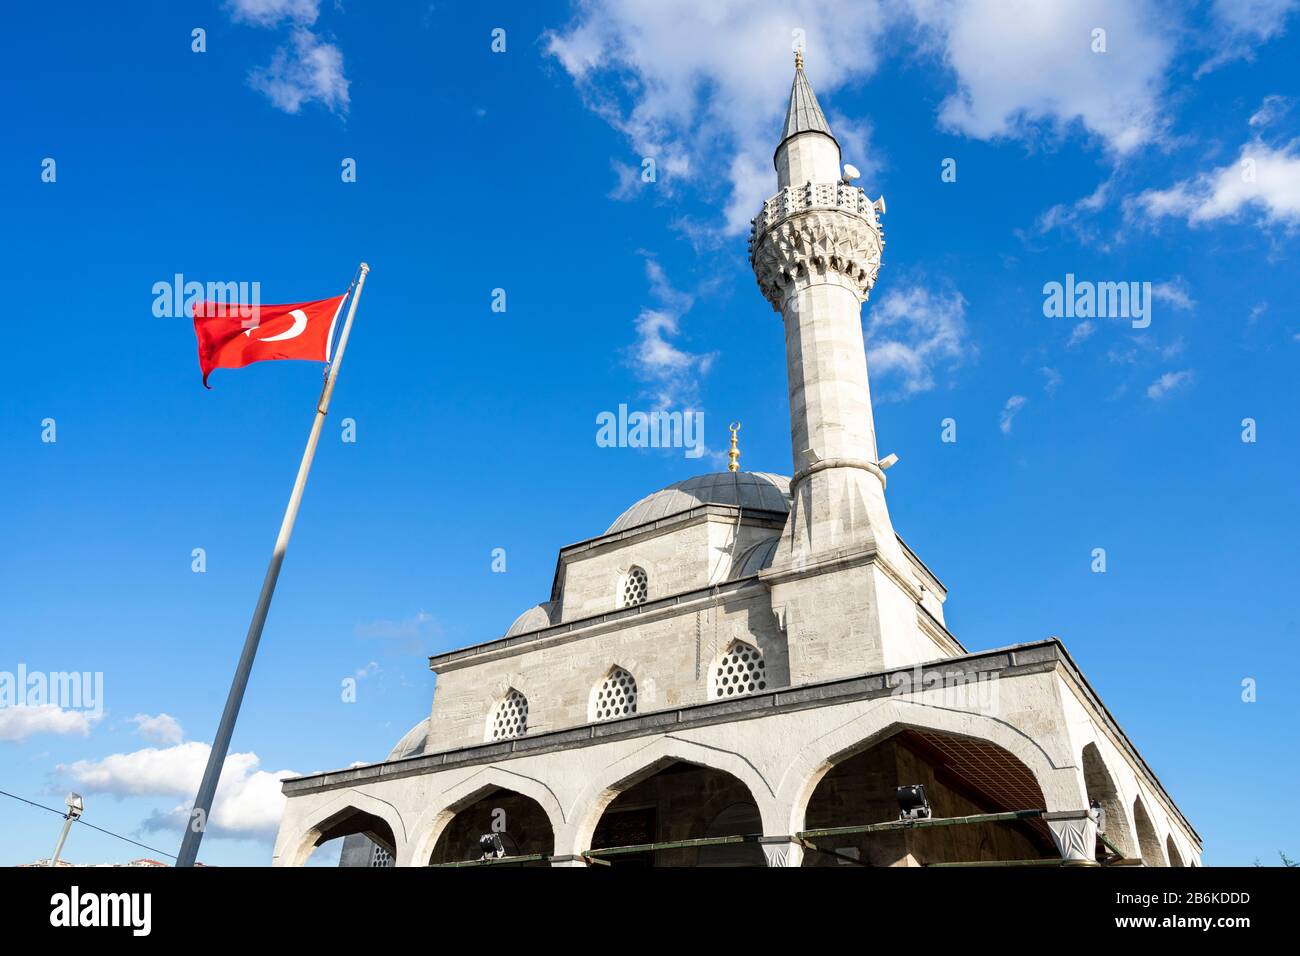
{"points": [[520, 170]]}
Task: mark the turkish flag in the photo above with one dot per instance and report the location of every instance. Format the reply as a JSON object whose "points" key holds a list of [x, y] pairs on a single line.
{"points": [[231, 336]]}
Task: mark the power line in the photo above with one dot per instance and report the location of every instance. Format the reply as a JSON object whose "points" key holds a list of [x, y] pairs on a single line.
{"points": [[41, 806]]}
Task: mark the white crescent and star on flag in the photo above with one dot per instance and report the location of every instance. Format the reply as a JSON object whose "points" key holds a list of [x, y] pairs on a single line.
{"points": [[299, 323]]}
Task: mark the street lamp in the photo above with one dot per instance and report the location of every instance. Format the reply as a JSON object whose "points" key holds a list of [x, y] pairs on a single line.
{"points": [[75, 806]]}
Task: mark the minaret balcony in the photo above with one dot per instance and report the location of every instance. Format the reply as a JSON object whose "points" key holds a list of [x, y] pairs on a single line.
{"points": [[814, 228], [793, 200]]}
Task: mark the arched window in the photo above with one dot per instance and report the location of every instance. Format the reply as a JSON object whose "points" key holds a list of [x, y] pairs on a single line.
{"points": [[615, 696], [636, 587], [510, 719], [738, 672]]}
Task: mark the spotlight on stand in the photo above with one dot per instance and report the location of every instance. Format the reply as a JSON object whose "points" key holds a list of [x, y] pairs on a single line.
{"points": [[912, 804]]}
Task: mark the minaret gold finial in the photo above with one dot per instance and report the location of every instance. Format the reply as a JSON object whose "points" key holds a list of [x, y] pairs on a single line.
{"points": [[798, 59], [733, 455]]}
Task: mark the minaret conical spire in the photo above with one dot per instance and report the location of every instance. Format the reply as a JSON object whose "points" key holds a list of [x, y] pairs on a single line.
{"points": [[804, 114]]}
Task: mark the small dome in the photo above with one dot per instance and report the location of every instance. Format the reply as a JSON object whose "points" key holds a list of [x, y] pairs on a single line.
{"points": [[534, 619], [413, 744], [756, 490], [755, 558]]}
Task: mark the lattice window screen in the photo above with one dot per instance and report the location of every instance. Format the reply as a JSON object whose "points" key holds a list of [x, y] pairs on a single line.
{"points": [[511, 717], [616, 696], [636, 587], [740, 671]]}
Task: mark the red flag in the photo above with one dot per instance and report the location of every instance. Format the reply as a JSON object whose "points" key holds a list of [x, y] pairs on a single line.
{"points": [[229, 339]]}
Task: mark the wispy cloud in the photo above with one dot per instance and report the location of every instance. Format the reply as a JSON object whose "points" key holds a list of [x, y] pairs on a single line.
{"points": [[1242, 25], [1169, 383], [1009, 412], [1270, 111], [409, 635], [672, 373], [1174, 293], [160, 729], [1081, 332], [306, 70], [268, 13], [1263, 178], [912, 333]]}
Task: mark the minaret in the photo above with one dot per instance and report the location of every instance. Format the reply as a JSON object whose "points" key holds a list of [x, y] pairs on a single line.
{"points": [[815, 248]]}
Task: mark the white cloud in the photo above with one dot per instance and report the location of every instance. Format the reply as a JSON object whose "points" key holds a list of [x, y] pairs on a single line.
{"points": [[1026, 62], [162, 729], [690, 82], [1075, 217], [248, 800], [1272, 109], [1263, 178], [912, 331], [308, 70], [1175, 293], [409, 635], [1051, 380], [1241, 25], [23, 720], [1081, 332], [702, 87], [267, 13], [368, 671], [1009, 412], [672, 372], [1168, 383]]}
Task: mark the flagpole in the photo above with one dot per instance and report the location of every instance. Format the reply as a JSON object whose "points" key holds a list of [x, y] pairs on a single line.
{"points": [[199, 816]]}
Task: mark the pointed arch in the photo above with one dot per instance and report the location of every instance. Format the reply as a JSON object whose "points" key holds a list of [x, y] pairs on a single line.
{"points": [[1148, 841], [1171, 848], [444, 806], [884, 717], [585, 812], [1100, 786], [295, 848]]}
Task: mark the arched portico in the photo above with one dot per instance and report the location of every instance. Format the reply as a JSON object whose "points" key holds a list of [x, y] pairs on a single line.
{"points": [[1101, 787], [1059, 785], [350, 812], [625, 773], [1147, 839], [446, 805]]}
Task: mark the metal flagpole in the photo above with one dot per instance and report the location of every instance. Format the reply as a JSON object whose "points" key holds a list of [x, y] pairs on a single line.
{"points": [[198, 820]]}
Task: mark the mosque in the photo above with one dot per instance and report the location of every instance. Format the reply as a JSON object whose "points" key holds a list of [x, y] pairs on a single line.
{"points": [[754, 669]]}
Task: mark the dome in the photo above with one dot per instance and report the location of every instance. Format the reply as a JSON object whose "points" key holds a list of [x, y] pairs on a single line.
{"points": [[413, 743], [757, 490], [534, 619]]}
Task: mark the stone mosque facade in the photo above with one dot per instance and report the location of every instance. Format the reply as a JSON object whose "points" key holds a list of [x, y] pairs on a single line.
{"points": [[746, 667]]}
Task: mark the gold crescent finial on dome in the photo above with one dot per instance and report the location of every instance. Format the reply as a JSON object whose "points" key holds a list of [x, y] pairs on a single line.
{"points": [[733, 455]]}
